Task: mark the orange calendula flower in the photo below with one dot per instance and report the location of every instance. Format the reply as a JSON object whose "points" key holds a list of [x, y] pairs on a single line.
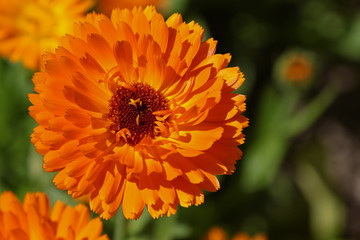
{"points": [[295, 66], [137, 111], [216, 233], [33, 220], [298, 69], [244, 236], [28, 28], [106, 6]]}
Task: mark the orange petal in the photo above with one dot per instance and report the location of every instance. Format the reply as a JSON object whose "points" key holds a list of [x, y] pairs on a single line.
{"points": [[124, 57], [133, 205]]}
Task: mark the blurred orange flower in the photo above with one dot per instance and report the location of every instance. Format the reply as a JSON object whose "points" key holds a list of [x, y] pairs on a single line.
{"points": [[28, 28], [106, 6], [33, 220], [296, 67], [138, 111], [244, 236], [216, 233]]}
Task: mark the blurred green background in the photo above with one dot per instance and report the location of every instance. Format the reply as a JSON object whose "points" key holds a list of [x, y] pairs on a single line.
{"points": [[299, 178]]}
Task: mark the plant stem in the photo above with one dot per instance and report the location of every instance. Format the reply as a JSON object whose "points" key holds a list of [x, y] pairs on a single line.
{"points": [[119, 226]]}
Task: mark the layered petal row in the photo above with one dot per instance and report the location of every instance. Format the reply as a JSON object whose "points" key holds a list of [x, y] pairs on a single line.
{"points": [[28, 28], [34, 220]]}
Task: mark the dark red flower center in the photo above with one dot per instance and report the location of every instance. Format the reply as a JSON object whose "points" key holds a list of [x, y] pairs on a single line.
{"points": [[132, 111]]}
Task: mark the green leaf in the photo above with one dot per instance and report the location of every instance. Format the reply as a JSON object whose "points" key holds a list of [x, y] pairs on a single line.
{"points": [[327, 213]]}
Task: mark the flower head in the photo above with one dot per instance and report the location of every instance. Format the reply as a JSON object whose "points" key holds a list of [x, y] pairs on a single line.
{"points": [[28, 28], [216, 233], [33, 219], [106, 6], [295, 66], [244, 236], [137, 111]]}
